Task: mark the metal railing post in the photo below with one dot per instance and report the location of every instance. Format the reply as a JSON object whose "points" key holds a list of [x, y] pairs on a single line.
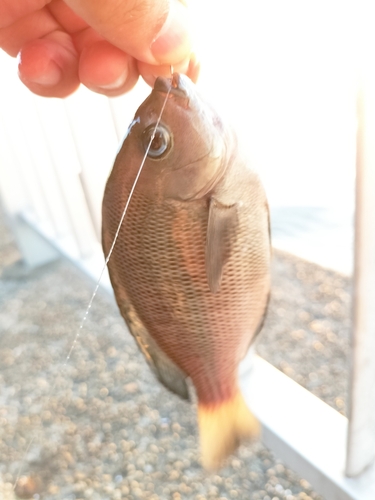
{"points": [[361, 430]]}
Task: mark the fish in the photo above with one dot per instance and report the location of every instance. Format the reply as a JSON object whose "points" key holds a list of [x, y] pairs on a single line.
{"points": [[190, 268]]}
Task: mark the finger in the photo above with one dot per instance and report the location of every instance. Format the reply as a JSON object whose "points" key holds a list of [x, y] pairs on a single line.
{"points": [[49, 66], [12, 10], [106, 69], [152, 32], [190, 67], [194, 68], [48, 61], [103, 67], [66, 17], [30, 27]]}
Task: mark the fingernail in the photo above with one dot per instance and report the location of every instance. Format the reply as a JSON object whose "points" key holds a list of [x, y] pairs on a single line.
{"points": [[116, 84], [49, 77], [174, 35]]}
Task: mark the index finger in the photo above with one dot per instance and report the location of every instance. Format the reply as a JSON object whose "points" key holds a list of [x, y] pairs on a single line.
{"points": [[152, 32]]}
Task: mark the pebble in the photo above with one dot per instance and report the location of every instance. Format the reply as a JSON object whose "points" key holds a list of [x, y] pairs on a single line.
{"points": [[131, 387], [27, 487], [109, 430]]}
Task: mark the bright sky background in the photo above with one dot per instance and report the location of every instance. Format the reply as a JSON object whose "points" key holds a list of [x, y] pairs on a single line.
{"points": [[284, 74], [283, 71]]}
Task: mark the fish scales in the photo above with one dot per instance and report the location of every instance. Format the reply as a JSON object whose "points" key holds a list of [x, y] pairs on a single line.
{"points": [[196, 204], [160, 258]]}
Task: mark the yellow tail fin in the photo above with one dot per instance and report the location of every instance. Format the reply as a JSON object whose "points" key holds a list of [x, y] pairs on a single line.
{"points": [[222, 427]]}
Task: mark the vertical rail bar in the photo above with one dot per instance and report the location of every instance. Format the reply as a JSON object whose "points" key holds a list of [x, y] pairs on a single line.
{"points": [[58, 137], [361, 431], [94, 136], [13, 192]]}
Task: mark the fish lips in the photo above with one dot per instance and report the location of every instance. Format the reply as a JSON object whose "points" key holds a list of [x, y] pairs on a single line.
{"points": [[178, 85]]}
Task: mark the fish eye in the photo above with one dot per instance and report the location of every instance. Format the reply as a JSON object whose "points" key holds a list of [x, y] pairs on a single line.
{"points": [[161, 142]]}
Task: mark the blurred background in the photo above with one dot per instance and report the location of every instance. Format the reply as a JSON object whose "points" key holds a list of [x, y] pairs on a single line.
{"points": [[284, 74]]}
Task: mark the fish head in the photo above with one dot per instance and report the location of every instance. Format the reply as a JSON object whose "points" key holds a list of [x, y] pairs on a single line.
{"points": [[186, 151]]}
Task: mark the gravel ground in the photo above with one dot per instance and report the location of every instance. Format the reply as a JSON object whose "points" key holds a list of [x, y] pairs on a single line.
{"points": [[103, 428]]}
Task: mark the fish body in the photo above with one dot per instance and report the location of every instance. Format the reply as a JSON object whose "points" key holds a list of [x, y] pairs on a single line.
{"points": [[190, 268]]}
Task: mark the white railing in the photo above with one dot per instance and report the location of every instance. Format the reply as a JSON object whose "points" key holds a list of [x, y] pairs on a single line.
{"points": [[55, 157]]}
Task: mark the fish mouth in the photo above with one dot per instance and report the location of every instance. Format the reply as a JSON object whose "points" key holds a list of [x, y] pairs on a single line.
{"points": [[177, 85]]}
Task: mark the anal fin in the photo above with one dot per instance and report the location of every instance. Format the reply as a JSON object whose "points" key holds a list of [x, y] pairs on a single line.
{"points": [[165, 370]]}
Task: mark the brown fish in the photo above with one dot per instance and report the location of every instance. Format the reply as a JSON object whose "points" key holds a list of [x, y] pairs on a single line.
{"points": [[190, 268]]}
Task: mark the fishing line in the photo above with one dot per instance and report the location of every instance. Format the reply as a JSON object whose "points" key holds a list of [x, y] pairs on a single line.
{"points": [[101, 274]]}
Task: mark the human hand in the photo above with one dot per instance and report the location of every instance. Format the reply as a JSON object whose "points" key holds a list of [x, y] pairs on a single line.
{"points": [[104, 44]]}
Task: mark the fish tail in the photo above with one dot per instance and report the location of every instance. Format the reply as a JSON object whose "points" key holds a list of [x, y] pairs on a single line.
{"points": [[222, 427]]}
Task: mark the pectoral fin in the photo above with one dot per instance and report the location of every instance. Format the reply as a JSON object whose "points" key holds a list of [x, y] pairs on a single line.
{"points": [[222, 222]]}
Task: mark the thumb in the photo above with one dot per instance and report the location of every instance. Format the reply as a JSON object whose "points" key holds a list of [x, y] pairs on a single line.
{"points": [[154, 32]]}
